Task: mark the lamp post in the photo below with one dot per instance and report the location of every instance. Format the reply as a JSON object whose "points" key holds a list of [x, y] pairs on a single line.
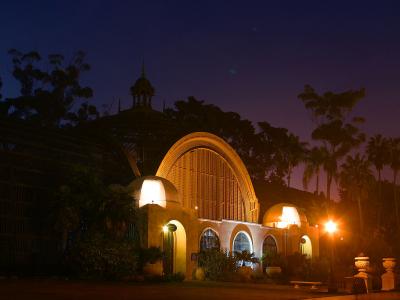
{"points": [[331, 228]]}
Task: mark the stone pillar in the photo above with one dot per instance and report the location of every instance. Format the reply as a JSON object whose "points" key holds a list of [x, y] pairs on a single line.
{"points": [[388, 278], [362, 264]]}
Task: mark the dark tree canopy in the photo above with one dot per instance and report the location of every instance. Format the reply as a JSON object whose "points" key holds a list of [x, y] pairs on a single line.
{"points": [[49, 90]]}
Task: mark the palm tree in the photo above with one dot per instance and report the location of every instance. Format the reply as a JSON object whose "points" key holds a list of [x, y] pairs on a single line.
{"points": [[356, 178], [378, 155], [314, 161], [246, 256], [394, 150], [293, 153]]}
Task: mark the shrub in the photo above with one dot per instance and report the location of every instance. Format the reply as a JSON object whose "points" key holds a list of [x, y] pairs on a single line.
{"points": [[320, 269], [273, 260], [217, 264], [298, 266], [150, 255], [99, 257]]}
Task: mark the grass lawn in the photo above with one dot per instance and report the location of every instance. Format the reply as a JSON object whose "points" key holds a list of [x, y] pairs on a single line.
{"points": [[50, 289]]}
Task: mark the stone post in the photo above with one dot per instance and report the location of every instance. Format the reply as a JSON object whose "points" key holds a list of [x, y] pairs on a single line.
{"points": [[362, 264], [388, 278]]}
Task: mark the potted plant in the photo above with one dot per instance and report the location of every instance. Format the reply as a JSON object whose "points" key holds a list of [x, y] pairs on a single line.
{"points": [[151, 259], [246, 260], [273, 264]]}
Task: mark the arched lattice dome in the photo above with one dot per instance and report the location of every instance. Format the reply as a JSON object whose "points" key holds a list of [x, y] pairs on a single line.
{"points": [[283, 215], [154, 190]]}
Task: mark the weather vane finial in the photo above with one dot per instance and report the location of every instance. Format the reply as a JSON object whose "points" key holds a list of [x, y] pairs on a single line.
{"points": [[143, 72]]}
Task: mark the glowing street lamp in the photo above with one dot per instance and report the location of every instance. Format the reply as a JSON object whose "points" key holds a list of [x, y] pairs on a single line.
{"points": [[331, 228]]}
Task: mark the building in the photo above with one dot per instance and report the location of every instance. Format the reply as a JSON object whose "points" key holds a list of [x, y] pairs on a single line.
{"points": [[199, 194], [202, 197]]}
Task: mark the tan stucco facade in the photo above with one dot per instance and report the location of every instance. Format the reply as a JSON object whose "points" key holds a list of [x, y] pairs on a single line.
{"points": [[187, 216]]}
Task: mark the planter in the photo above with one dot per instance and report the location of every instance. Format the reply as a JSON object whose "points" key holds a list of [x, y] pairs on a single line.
{"points": [[273, 271], [362, 264], [388, 278], [199, 274], [245, 273], [155, 269], [389, 263]]}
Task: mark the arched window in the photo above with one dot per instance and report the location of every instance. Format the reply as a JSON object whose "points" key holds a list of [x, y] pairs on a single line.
{"points": [[269, 246], [209, 240], [306, 246], [242, 242]]}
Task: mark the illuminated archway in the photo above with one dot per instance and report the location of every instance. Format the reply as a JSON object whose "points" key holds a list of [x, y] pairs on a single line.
{"points": [[174, 247], [306, 246], [210, 175]]}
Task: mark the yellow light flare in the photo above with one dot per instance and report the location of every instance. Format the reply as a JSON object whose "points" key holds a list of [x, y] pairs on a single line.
{"points": [[330, 226]]}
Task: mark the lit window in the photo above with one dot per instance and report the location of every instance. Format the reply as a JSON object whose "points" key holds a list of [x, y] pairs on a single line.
{"points": [[242, 242], [209, 240]]}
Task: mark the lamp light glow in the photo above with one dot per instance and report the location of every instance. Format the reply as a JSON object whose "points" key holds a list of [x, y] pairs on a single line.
{"points": [[330, 226], [152, 192], [289, 216]]}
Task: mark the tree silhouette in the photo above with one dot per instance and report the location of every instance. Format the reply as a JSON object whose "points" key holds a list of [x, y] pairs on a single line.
{"points": [[394, 162], [294, 153], [378, 155], [356, 178], [48, 96], [331, 113], [313, 163]]}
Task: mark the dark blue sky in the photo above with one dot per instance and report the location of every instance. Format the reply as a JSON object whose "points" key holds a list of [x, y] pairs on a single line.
{"points": [[252, 57]]}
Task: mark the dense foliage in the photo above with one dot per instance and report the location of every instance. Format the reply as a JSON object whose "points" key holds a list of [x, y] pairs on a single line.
{"points": [[49, 91], [218, 264], [94, 220]]}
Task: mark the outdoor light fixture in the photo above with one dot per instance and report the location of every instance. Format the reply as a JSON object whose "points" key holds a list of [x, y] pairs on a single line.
{"points": [[169, 227], [330, 227]]}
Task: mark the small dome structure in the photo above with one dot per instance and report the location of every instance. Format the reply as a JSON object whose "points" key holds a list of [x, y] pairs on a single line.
{"points": [[142, 91], [142, 86], [283, 215], [154, 190]]}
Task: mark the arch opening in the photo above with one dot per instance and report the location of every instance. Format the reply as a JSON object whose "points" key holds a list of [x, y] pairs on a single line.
{"points": [[209, 240], [174, 248], [306, 246], [270, 247], [242, 242]]}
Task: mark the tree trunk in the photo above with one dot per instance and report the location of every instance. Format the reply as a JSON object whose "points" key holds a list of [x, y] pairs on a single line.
{"points": [[379, 212], [328, 185], [361, 219], [317, 183], [396, 205]]}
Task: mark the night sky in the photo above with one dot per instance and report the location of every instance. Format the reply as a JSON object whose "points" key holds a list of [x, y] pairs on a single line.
{"points": [[252, 57]]}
